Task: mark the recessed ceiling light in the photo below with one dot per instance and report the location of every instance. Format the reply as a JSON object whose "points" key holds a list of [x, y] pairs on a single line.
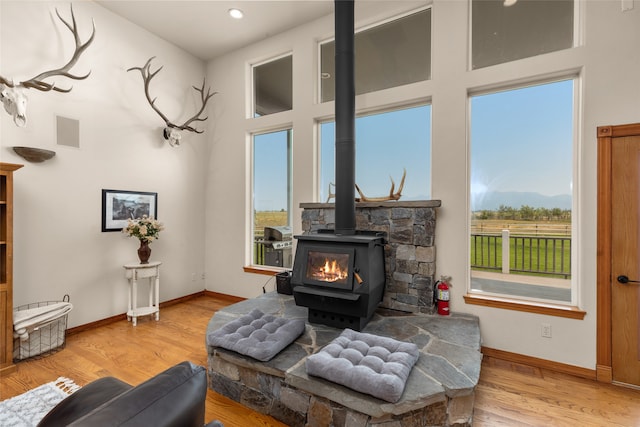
{"points": [[236, 13], [508, 3]]}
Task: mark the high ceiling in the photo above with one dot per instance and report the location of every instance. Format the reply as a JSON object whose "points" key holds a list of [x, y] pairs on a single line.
{"points": [[205, 29]]}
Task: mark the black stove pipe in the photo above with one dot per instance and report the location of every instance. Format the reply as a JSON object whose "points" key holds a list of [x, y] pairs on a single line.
{"points": [[345, 162]]}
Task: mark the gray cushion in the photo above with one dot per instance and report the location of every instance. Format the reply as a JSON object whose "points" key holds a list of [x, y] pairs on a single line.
{"points": [[256, 334], [367, 363]]}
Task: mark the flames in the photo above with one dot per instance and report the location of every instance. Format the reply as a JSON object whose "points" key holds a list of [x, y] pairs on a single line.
{"points": [[330, 272]]}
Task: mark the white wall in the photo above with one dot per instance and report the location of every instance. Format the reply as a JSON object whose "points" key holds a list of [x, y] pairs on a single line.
{"points": [[608, 62], [59, 247], [203, 185]]}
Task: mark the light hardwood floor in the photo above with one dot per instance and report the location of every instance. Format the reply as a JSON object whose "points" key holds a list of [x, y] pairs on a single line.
{"points": [[508, 394]]}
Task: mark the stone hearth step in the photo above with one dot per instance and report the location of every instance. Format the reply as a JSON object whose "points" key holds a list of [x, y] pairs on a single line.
{"points": [[438, 392]]}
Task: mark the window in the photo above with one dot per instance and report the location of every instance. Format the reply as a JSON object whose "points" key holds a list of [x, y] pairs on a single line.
{"points": [[272, 239], [506, 30], [522, 192], [388, 55], [386, 143], [272, 87]]}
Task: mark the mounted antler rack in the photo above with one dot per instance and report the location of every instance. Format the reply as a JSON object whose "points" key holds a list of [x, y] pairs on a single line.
{"points": [[172, 131], [12, 94]]}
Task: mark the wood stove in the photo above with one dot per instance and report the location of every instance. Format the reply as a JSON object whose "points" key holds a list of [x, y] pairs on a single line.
{"points": [[339, 274], [339, 278]]}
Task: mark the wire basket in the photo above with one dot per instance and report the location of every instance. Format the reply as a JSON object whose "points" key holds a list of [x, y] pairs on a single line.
{"points": [[43, 340]]}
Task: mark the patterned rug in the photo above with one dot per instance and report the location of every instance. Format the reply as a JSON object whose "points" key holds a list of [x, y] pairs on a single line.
{"points": [[27, 409]]}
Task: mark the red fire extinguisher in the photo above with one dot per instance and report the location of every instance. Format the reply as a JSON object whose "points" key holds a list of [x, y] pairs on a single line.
{"points": [[441, 295]]}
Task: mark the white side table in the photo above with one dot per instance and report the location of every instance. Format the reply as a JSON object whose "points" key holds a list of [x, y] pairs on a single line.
{"points": [[141, 271]]}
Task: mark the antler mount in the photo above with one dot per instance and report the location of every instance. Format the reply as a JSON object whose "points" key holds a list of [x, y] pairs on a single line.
{"points": [[12, 94], [171, 131]]}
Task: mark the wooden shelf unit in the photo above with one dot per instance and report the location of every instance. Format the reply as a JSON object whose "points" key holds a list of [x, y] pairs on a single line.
{"points": [[6, 266]]}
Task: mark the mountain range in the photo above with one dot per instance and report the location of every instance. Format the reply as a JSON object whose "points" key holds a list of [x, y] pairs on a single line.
{"points": [[492, 200]]}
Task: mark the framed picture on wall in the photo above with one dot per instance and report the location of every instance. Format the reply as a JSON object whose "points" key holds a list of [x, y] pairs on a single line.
{"points": [[119, 205]]}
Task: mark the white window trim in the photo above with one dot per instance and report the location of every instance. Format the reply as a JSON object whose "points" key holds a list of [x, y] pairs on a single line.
{"points": [[249, 256], [559, 308], [376, 23], [251, 100], [578, 33]]}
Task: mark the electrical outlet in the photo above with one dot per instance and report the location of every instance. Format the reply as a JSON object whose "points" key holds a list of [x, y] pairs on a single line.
{"points": [[193, 277], [545, 330], [203, 276]]}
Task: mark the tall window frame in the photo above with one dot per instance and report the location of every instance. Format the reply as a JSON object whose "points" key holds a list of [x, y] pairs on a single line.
{"points": [[271, 169], [552, 306]]}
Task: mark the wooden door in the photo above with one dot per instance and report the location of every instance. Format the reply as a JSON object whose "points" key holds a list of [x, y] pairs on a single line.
{"points": [[625, 260]]}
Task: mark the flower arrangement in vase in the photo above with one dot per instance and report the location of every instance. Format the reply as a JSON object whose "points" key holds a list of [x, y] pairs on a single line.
{"points": [[146, 229]]}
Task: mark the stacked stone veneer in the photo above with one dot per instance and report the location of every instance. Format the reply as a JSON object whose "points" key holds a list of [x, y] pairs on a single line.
{"points": [[410, 252]]}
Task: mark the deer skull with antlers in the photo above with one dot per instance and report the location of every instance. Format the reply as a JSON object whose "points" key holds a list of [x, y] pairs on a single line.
{"points": [[172, 131], [13, 96]]}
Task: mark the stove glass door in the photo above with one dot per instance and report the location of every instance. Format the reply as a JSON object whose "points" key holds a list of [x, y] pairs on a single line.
{"points": [[329, 267]]}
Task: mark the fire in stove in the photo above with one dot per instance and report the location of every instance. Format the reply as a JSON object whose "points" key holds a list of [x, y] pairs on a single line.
{"points": [[333, 268], [329, 266]]}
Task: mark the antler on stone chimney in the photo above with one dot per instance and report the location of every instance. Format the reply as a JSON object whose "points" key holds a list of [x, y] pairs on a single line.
{"points": [[392, 195]]}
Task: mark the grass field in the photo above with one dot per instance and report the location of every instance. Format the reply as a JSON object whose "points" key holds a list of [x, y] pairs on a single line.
{"points": [[264, 219]]}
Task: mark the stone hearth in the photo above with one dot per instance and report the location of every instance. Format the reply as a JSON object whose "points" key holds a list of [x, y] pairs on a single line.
{"points": [[439, 390]]}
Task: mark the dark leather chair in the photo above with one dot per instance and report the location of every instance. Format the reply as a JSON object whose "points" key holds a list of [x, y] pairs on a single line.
{"points": [[173, 398]]}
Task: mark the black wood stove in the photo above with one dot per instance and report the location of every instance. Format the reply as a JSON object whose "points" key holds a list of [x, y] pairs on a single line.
{"points": [[339, 274], [339, 278]]}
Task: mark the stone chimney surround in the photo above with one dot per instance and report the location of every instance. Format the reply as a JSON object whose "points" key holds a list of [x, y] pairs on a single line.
{"points": [[410, 253]]}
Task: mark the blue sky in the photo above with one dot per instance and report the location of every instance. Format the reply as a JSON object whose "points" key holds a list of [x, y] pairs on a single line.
{"points": [[270, 176], [386, 144], [521, 141]]}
